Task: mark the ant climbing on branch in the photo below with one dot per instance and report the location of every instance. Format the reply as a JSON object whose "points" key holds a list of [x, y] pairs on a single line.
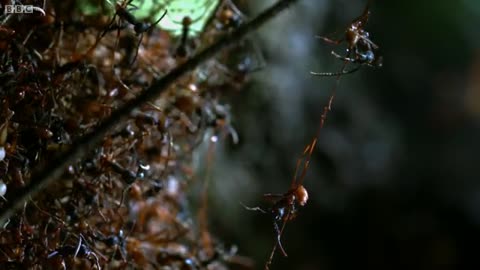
{"points": [[360, 49], [125, 14], [285, 206]]}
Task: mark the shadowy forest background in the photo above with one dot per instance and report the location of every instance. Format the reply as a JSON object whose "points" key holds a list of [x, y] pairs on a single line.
{"points": [[394, 182]]}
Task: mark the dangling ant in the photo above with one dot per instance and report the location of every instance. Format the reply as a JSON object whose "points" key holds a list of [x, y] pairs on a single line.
{"points": [[139, 27], [360, 49], [285, 206]]}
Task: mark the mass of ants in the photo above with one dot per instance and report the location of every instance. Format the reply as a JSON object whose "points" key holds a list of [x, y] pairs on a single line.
{"points": [[124, 205]]}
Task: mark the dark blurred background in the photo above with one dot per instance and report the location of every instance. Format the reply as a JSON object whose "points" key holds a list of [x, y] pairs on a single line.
{"points": [[395, 179]]}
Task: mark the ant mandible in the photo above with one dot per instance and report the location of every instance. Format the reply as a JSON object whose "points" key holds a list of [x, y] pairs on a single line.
{"points": [[285, 206], [360, 49]]}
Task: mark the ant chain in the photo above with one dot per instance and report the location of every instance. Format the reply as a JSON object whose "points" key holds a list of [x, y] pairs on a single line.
{"points": [[309, 149]]}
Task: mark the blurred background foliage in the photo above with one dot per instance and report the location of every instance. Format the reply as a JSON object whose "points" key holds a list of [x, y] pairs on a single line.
{"points": [[394, 182]]}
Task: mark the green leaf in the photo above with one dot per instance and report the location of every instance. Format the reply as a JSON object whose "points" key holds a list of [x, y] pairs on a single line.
{"points": [[199, 11]]}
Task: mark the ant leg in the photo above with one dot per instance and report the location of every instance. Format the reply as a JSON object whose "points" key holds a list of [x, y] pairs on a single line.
{"points": [[272, 197], [115, 49], [157, 21], [233, 134], [279, 235], [52, 254], [330, 74], [331, 41], [141, 31], [110, 26], [138, 48], [78, 246], [141, 28], [124, 195], [96, 260], [133, 7], [369, 43], [39, 10], [254, 208], [348, 59]]}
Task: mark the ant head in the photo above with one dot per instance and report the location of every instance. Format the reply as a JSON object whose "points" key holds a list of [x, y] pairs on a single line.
{"points": [[186, 21], [302, 195]]}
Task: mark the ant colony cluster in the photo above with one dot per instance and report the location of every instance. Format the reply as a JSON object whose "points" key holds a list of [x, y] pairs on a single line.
{"points": [[124, 206]]}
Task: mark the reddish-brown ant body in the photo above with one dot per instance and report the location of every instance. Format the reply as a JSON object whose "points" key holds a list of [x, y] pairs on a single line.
{"points": [[285, 206], [139, 27], [360, 49]]}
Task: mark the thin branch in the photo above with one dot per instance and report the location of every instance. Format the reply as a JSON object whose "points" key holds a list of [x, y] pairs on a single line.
{"points": [[54, 169]]}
